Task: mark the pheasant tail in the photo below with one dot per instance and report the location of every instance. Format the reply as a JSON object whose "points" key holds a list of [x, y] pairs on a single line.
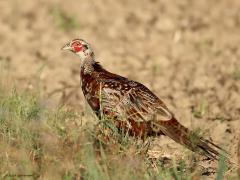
{"points": [[190, 139]]}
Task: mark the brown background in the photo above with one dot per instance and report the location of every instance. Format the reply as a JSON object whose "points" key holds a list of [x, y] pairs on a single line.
{"points": [[186, 51]]}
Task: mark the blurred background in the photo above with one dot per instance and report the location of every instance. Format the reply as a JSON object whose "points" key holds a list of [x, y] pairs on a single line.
{"points": [[186, 51]]}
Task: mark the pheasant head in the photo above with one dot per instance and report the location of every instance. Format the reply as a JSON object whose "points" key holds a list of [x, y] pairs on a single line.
{"points": [[85, 53], [80, 48]]}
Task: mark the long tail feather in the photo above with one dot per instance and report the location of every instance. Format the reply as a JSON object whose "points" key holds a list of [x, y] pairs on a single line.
{"points": [[191, 140]]}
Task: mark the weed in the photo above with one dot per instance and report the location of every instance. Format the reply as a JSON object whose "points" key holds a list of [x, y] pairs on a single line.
{"points": [[222, 167], [36, 142], [64, 21], [200, 110], [236, 75]]}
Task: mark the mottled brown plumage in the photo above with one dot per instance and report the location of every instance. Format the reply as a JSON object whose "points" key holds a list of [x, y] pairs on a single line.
{"points": [[130, 105]]}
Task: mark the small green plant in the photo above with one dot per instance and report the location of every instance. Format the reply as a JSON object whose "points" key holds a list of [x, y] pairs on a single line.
{"points": [[64, 21], [236, 75], [200, 111], [222, 167]]}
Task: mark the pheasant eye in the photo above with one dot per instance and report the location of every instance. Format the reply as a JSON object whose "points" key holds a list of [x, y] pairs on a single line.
{"points": [[76, 44]]}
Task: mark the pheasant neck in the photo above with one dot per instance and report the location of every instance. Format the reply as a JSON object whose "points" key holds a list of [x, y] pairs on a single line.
{"points": [[87, 65]]}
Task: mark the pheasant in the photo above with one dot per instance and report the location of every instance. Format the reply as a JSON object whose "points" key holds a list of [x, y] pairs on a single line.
{"points": [[132, 106]]}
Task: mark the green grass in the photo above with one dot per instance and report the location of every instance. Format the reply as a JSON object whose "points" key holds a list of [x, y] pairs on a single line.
{"points": [[53, 144], [63, 20], [200, 110], [236, 74]]}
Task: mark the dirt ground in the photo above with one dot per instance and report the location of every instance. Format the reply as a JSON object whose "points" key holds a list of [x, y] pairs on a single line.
{"points": [[187, 52]]}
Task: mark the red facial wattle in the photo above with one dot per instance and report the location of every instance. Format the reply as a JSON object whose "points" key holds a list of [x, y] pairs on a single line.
{"points": [[77, 48]]}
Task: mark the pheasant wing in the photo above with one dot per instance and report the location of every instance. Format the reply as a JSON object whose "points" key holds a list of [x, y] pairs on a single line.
{"points": [[132, 101]]}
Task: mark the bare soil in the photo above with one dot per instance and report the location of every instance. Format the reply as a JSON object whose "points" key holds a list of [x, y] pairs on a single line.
{"points": [[186, 51]]}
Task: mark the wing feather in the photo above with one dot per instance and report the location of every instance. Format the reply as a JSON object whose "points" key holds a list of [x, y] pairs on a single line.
{"points": [[135, 103]]}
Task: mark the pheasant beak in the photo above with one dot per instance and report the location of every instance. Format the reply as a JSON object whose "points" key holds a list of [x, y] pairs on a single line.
{"points": [[66, 47]]}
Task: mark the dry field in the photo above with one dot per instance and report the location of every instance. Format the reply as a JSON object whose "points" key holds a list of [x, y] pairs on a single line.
{"points": [[187, 52]]}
